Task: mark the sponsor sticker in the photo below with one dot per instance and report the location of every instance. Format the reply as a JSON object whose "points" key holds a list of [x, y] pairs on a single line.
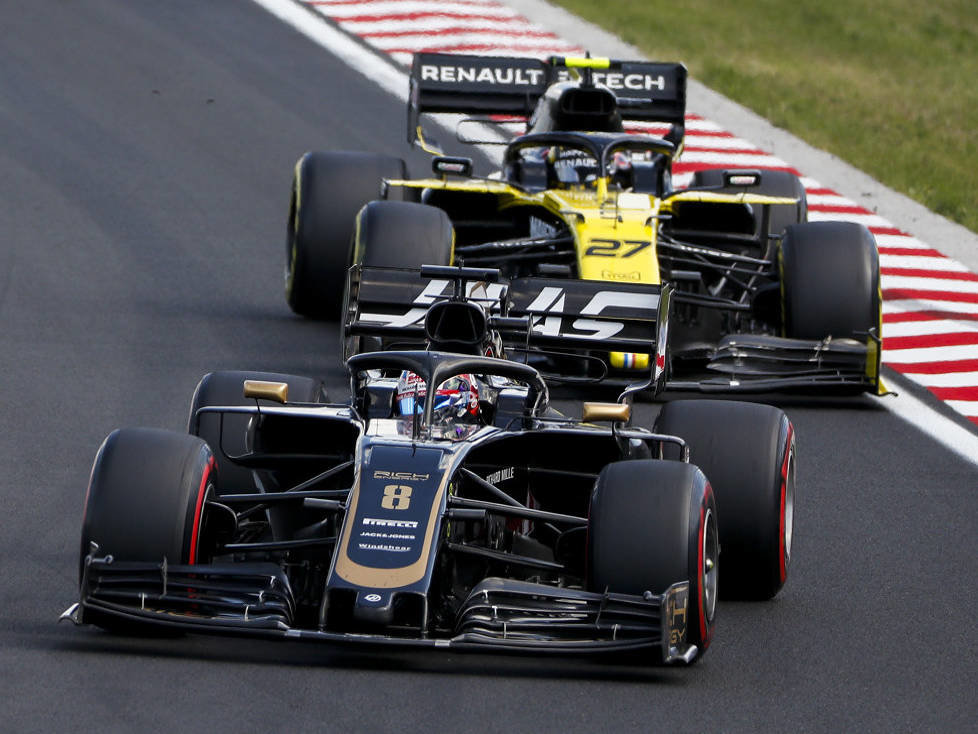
{"points": [[384, 547], [403, 476], [502, 475], [501, 75], [384, 522]]}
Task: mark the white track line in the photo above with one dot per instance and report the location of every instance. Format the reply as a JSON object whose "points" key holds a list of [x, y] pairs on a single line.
{"points": [[916, 412]]}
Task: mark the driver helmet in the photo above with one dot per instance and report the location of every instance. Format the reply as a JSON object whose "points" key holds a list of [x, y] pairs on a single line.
{"points": [[571, 166], [456, 399]]}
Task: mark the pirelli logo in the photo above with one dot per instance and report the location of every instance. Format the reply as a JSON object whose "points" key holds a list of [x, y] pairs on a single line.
{"points": [[384, 523]]}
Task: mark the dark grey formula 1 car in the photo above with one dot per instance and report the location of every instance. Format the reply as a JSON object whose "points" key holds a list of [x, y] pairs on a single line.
{"points": [[445, 505]]}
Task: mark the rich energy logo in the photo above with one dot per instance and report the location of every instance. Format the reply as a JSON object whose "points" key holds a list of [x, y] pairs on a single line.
{"points": [[551, 301], [403, 476]]}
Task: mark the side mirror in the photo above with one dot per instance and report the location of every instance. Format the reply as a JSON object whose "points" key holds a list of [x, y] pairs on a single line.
{"points": [[617, 412], [445, 165], [742, 178], [262, 389]]}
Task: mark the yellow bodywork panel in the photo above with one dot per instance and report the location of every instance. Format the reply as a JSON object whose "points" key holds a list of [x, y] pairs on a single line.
{"points": [[615, 232]]}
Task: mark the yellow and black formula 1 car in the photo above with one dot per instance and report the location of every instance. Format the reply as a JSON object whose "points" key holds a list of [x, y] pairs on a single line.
{"points": [[763, 299], [443, 506]]}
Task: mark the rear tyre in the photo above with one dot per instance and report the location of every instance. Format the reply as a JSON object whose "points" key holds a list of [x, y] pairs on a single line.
{"points": [[396, 234], [227, 388], [653, 524], [748, 453], [145, 501], [830, 281], [402, 234], [773, 183], [328, 189]]}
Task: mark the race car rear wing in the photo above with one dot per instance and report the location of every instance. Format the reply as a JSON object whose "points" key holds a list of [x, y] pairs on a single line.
{"points": [[646, 91], [532, 316]]}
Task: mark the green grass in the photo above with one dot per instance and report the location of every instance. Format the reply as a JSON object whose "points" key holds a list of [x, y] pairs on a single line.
{"points": [[889, 86]]}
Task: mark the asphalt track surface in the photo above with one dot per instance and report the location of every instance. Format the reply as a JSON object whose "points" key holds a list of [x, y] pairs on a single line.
{"points": [[146, 151]]}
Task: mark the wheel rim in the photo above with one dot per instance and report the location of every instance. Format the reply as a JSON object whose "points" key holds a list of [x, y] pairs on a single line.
{"points": [[710, 570]]}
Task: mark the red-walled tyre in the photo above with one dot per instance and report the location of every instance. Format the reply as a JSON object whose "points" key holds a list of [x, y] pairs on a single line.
{"points": [[747, 451], [146, 500], [652, 524]]}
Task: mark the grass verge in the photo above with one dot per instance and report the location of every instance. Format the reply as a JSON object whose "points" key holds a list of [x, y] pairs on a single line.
{"points": [[889, 87]]}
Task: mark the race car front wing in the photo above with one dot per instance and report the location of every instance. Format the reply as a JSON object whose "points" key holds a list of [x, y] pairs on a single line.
{"points": [[255, 599], [759, 362]]}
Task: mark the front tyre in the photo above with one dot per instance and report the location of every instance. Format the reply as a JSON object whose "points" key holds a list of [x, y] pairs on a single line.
{"points": [[402, 234], [652, 524], [146, 500], [747, 451], [830, 281]]}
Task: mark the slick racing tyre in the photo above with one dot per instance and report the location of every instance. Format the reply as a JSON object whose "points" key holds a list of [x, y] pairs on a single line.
{"points": [[830, 281], [227, 388], [747, 451], [396, 234], [145, 501], [652, 524], [328, 189], [773, 183], [402, 234]]}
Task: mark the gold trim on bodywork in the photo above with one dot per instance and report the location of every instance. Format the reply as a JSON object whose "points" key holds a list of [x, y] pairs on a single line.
{"points": [[385, 578], [619, 412], [267, 390]]}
